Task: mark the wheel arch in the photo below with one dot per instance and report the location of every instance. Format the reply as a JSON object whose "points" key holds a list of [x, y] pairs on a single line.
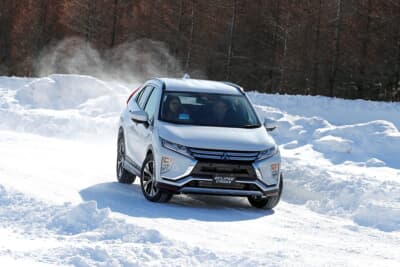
{"points": [[121, 132], [149, 151]]}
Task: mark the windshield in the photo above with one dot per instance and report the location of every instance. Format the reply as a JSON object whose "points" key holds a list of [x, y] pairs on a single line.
{"points": [[208, 110]]}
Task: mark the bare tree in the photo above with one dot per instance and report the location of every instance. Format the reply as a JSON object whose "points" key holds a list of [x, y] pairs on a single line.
{"points": [[117, 9], [230, 42], [336, 47], [364, 51], [285, 37], [114, 22], [7, 12], [190, 45], [87, 17], [316, 61]]}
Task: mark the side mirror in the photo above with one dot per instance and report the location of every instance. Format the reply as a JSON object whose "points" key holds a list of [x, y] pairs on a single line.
{"points": [[270, 125], [139, 116]]}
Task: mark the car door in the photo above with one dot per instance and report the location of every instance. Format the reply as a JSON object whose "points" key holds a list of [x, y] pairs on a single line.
{"points": [[134, 129], [145, 132]]}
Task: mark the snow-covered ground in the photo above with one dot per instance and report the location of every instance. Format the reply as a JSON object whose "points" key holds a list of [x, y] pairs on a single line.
{"points": [[60, 203]]}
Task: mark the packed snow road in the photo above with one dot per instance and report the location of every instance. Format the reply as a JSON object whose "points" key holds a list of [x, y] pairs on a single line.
{"points": [[60, 203]]}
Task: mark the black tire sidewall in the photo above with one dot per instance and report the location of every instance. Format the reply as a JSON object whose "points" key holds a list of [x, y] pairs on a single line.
{"points": [[268, 202], [157, 196], [160, 196], [125, 176]]}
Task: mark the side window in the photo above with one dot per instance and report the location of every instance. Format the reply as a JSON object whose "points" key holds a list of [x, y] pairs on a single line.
{"points": [[144, 95], [139, 94], [132, 100], [151, 105]]}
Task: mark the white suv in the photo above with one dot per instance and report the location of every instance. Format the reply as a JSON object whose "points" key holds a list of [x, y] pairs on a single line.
{"points": [[197, 137]]}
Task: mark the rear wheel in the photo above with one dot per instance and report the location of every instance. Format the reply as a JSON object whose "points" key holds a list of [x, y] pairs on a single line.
{"points": [[267, 202], [123, 176], [148, 182]]}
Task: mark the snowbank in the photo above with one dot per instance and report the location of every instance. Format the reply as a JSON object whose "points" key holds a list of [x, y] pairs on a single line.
{"points": [[61, 91], [369, 143], [339, 169], [61, 105], [67, 234], [335, 110]]}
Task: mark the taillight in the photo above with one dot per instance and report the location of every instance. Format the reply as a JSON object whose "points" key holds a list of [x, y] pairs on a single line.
{"points": [[130, 96]]}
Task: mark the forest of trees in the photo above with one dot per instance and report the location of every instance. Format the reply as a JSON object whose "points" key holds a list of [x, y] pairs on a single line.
{"points": [[342, 48]]}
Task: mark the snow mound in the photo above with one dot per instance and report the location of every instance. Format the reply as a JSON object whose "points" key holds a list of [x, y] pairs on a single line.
{"points": [[66, 123], [331, 143], [82, 218], [11, 83], [83, 235], [333, 190], [338, 169], [374, 162], [61, 91], [375, 139], [335, 110], [371, 142], [62, 105], [383, 217]]}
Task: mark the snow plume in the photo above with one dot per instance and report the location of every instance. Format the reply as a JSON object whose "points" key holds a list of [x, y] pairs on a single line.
{"points": [[129, 63]]}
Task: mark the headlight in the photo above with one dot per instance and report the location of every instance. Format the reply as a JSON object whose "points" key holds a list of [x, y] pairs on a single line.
{"points": [[268, 153], [175, 147]]}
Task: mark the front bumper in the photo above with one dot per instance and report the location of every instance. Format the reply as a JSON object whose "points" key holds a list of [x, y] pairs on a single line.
{"points": [[198, 185], [250, 178]]}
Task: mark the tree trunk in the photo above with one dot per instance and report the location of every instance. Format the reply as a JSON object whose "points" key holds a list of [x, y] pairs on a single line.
{"points": [[189, 52], [178, 42], [317, 50], [275, 47], [336, 51], [364, 53], [395, 90], [284, 52], [114, 23], [230, 44]]}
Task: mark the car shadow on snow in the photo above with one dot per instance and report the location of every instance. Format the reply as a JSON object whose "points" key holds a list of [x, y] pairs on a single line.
{"points": [[128, 199]]}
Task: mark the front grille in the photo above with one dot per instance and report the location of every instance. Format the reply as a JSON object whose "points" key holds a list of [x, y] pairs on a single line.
{"points": [[209, 184], [223, 155], [210, 169]]}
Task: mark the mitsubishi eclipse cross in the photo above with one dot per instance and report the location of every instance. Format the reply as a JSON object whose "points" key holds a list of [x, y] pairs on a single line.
{"points": [[197, 137]]}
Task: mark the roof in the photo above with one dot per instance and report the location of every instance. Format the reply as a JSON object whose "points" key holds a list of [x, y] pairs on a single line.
{"points": [[201, 86]]}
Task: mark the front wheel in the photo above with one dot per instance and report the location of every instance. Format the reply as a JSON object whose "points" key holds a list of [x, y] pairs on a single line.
{"points": [[267, 202], [148, 182]]}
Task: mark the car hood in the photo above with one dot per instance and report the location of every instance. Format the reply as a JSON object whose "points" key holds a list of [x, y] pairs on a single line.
{"points": [[219, 138]]}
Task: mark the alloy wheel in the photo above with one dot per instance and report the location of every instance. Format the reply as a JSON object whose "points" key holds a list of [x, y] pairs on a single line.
{"points": [[149, 184]]}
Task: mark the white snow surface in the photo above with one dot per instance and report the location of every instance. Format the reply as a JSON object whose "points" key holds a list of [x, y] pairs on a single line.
{"points": [[60, 204]]}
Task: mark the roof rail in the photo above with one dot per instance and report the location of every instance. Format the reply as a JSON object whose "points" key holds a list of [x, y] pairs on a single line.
{"points": [[161, 81], [238, 87]]}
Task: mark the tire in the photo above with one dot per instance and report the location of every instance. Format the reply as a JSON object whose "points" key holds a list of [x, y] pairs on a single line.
{"points": [[123, 176], [148, 184], [267, 202]]}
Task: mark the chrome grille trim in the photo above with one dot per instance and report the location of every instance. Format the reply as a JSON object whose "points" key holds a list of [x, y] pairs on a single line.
{"points": [[223, 155]]}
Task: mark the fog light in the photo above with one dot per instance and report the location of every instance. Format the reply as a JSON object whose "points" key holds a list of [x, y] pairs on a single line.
{"points": [[275, 170], [166, 164]]}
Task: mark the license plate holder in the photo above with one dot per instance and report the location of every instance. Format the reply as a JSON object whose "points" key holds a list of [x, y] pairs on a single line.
{"points": [[224, 179]]}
